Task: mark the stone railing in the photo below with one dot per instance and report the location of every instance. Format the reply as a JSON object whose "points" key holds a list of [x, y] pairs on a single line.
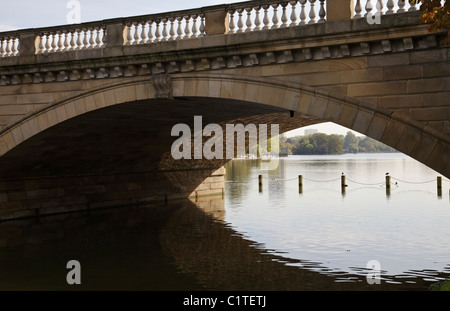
{"points": [[363, 7], [229, 19], [9, 45], [71, 39]]}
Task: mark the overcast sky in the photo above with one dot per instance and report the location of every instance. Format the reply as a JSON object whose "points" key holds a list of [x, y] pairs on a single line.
{"points": [[21, 14]]}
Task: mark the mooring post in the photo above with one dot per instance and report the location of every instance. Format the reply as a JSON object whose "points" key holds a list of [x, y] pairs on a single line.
{"points": [[439, 186], [388, 185], [300, 184], [343, 185], [260, 183]]}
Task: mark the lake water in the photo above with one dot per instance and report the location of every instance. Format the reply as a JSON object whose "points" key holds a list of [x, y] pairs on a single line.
{"points": [[406, 231], [274, 239]]}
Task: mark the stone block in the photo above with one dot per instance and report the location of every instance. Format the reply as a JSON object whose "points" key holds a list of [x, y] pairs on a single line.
{"points": [[424, 148], [429, 85], [436, 70], [428, 56], [385, 60], [17, 134], [362, 121], [216, 22], [436, 99], [333, 112], [401, 101], [408, 140], [377, 126], [348, 64], [377, 89], [392, 133], [347, 116], [318, 107], [431, 114], [440, 158], [360, 76], [402, 72]]}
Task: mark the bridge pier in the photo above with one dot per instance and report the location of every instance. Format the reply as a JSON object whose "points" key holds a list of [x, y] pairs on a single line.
{"points": [[32, 197]]}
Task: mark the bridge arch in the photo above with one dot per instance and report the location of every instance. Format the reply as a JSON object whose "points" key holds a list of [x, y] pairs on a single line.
{"points": [[311, 105]]}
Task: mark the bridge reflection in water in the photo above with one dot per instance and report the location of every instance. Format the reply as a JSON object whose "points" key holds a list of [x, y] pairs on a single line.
{"points": [[183, 246]]}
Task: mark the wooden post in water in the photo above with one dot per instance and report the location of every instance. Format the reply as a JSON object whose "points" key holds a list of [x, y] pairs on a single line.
{"points": [[300, 184], [343, 185], [260, 183], [388, 185], [439, 186]]}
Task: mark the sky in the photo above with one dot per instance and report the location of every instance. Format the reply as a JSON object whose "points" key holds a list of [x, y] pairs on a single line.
{"points": [[23, 14]]}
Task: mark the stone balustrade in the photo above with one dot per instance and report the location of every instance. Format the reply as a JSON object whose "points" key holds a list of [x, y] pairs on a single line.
{"points": [[229, 19], [71, 39], [9, 46], [363, 7]]}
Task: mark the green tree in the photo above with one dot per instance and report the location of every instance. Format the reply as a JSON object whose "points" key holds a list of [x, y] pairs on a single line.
{"points": [[350, 143]]}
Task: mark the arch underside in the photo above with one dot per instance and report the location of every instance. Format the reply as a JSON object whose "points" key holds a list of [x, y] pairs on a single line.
{"points": [[122, 130]]}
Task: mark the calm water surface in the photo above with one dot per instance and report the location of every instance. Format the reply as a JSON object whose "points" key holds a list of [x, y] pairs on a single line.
{"points": [[276, 239], [406, 231]]}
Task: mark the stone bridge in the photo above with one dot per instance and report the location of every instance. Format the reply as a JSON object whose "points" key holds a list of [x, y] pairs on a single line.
{"points": [[86, 110]]}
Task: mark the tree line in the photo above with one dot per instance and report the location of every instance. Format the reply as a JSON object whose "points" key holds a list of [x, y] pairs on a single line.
{"points": [[320, 143]]}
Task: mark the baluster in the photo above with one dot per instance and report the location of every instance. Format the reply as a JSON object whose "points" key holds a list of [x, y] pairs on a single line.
{"points": [[390, 6], [128, 36], [303, 12], [202, 26], [412, 7], [150, 31], [180, 29], [158, 31], [368, 7], [275, 19], [54, 43], [79, 42], [5, 47], [294, 17], [240, 23], [9, 47], [17, 47], [194, 26], [66, 40], [187, 30], [257, 18], [144, 37], [284, 18], [401, 6], [73, 43], [98, 41], [47, 43], [60, 41], [85, 39], [165, 34], [91, 38], [1, 47], [266, 20], [312, 12], [172, 32], [13, 46], [104, 36], [136, 37], [249, 23], [358, 9], [322, 12], [232, 25], [41, 44]]}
